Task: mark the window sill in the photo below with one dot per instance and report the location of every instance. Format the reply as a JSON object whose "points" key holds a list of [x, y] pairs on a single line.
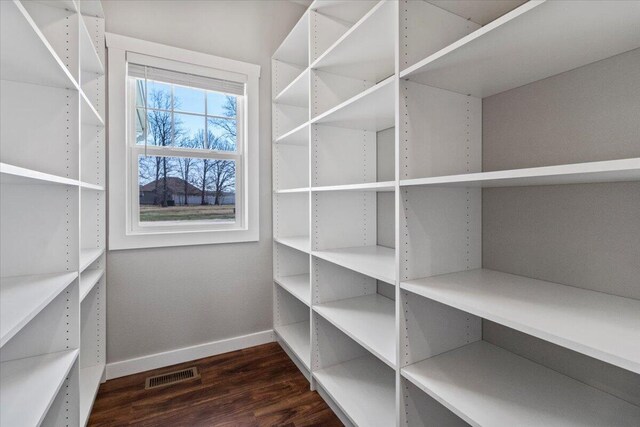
{"points": [[180, 238]]}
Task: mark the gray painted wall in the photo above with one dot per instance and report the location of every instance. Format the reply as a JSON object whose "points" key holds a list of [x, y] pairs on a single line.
{"points": [[580, 235], [164, 299]]}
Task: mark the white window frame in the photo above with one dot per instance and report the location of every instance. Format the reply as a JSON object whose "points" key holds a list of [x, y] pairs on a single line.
{"points": [[125, 232]]}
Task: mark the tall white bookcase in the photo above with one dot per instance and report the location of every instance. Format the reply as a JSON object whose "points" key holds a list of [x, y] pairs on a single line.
{"points": [[52, 171], [379, 289]]}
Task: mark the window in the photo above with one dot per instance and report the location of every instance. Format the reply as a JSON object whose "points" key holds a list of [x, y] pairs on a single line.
{"points": [[190, 147]]}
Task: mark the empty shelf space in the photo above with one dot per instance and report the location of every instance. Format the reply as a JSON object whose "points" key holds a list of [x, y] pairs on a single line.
{"points": [[366, 186], [366, 50], [298, 285], [89, 186], [534, 41], [23, 297], [10, 174], [297, 136], [600, 325], [88, 256], [90, 378], [577, 173], [91, 8], [488, 386], [295, 47], [32, 59], [89, 114], [29, 386], [292, 190], [372, 110], [90, 61], [296, 337], [88, 280], [300, 243], [374, 261], [369, 320], [296, 93], [363, 388]]}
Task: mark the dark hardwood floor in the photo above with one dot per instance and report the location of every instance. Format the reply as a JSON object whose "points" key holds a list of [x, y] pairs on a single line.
{"points": [[258, 386]]}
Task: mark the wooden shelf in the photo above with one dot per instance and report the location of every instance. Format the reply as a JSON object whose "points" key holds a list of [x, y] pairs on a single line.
{"points": [[488, 386], [293, 190], [23, 297], [298, 285], [90, 378], [89, 60], [536, 40], [297, 136], [88, 280], [10, 174], [296, 93], [600, 325], [88, 256], [366, 50], [577, 173], [300, 243], [372, 110], [33, 59], [29, 386], [369, 320], [363, 388], [374, 261], [296, 337], [367, 186]]}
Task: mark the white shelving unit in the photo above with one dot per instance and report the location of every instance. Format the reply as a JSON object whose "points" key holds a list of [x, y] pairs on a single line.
{"points": [[52, 173], [379, 291]]}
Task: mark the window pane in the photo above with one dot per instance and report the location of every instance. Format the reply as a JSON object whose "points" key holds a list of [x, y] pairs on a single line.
{"points": [[140, 124], [188, 129], [159, 129], [159, 95], [222, 134], [140, 92], [188, 99], [220, 104], [186, 189]]}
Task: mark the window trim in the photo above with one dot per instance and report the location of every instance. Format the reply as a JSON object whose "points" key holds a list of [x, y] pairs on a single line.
{"points": [[122, 235]]}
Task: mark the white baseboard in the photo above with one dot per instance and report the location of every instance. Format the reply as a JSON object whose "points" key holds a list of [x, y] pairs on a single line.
{"points": [[180, 355]]}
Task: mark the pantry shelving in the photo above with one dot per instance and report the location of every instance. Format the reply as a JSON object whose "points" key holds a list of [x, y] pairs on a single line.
{"points": [[53, 211], [379, 238]]}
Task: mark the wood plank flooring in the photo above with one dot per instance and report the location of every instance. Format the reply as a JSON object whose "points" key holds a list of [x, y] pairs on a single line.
{"points": [[258, 386]]}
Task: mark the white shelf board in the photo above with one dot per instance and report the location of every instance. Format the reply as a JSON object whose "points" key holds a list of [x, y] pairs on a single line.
{"points": [[366, 50], [294, 49], [374, 261], [29, 386], [367, 186], [89, 186], [25, 54], [89, 60], [10, 174], [347, 11], [577, 173], [88, 280], [292, 190], [369, 320], [296, 136], [89, 114], [301, 243], [296, 336], [534, 41], [600, 325], [298, 285], [488, 386], [372, 109], [90, 378], [91, 8], [23, 297], [88, 256], [296, 93], [363, 389]]}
